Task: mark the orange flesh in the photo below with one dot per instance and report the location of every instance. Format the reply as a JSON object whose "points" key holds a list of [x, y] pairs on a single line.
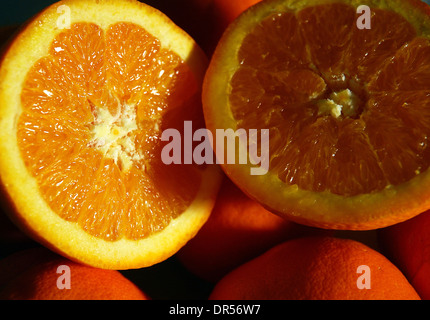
{"points": [[348, 109], [93, 113]]}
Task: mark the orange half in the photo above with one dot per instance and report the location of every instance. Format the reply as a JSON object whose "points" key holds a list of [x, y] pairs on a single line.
{"points": [[347, 109], [86, 90]]}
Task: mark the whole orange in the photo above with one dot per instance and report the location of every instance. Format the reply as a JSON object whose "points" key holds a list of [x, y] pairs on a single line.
{"points": [[316, 268], [237, 230], [39, 274], [407, 244]]}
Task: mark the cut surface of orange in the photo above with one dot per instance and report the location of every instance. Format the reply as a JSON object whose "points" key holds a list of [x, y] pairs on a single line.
{"points": [[347, 108], [82, 109]]}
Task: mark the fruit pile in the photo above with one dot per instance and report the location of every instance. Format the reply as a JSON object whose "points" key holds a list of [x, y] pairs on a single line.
{"points": [[111, 111]]}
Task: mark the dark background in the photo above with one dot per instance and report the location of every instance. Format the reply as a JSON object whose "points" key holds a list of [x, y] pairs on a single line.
{"points": [[16, 12]]}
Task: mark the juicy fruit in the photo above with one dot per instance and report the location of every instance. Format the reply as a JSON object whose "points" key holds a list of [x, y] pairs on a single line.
{"points": [[81, 127], [315, 268], [346, 109]]}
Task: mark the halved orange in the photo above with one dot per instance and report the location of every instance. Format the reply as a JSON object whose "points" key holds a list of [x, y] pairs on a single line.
{"points": [[86, 90], [347, 108]]}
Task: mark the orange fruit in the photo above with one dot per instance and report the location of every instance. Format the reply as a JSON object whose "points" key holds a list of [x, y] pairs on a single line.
{"points": [[316, 268], [345, 109], [38, 274], [83, 103], [237, 230], [407, 244]]}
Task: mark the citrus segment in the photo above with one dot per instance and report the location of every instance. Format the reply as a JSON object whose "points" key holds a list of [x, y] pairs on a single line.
{"points": [[408, 70], [369, 49], [326, 47], [274, 43], [79, 53], [326, 90], [396, 114]]}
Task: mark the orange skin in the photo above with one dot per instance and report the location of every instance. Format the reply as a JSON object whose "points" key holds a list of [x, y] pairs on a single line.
{"points": [[238, 230], [32, 275], [315, 268], [407, 244]]}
